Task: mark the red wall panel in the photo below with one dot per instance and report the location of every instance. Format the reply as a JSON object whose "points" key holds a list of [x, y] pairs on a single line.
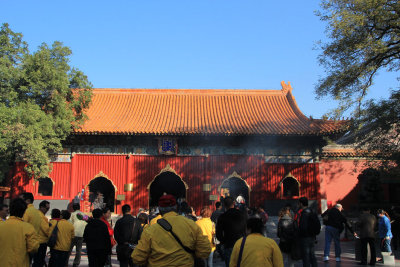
{"points": [[339, 181], [262, 178]]}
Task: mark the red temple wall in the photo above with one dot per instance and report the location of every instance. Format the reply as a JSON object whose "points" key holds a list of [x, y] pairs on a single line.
{"points": [[263, 178], [339, 181]]}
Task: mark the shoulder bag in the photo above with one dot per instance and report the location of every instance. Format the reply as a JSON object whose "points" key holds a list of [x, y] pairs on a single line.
{"points": [[125, 250], [198, 262], [53, 237], [241, 251]]}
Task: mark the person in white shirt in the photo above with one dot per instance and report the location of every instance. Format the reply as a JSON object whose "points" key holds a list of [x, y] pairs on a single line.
{"points": [[79, 225]]}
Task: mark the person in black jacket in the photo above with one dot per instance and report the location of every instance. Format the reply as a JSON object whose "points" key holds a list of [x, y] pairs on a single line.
{"points": [[335, 222], [97, 239], [231, 226], [127, 233], [367, 224], [286, 234], [306, 239]]}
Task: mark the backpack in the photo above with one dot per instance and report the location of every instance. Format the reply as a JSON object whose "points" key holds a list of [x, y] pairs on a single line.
{"points": [[325, 217], [53, 237], [314, 225]]}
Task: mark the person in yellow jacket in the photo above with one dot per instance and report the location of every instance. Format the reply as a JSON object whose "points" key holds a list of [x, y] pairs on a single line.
{"points": [[43, 235], [208, 228], [17, 238], [31, 215], [258, 250], [157, 247], [60, 252]]}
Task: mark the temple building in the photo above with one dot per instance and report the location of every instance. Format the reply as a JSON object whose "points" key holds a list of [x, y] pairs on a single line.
{"points": [[195, 144]]}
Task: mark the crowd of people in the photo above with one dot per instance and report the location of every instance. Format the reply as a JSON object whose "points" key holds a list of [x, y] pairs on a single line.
{"points": [[173, 235]]}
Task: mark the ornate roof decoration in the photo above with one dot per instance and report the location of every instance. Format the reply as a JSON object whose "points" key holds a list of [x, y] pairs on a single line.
{"points": [[200, 111]]}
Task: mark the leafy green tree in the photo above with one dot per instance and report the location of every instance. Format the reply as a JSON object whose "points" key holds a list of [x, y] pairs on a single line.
{"points": [[39, 102], [364, 38]]}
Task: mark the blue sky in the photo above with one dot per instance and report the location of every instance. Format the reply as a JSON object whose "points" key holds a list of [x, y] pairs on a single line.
{"points": [[191, 44]]}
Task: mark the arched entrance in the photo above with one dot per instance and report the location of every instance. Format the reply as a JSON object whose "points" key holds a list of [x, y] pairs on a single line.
{"points": [[290, 187], [102, 192], [234, 186], [167, 181]]}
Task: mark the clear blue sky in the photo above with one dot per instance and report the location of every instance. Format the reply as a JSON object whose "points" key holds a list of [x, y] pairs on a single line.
{"points": [[194, 44]]}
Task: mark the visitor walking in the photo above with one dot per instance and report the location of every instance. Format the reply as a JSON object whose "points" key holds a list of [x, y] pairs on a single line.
{"points": [[31, 215], [308, 227], [385, 233], [43, 235], [286, 234], [214, 218], [59, 254], [159, 245], [256, 249], [105, 218], [218, 211], [79, 225], [335, 223], [208, 228], [230, 227], [367, 225], [127, 233], [97, 239], [17, 238], [264, 218]]}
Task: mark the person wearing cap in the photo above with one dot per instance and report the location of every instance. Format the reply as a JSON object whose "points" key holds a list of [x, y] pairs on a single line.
{"points": [[157, 247], [335, 224]]}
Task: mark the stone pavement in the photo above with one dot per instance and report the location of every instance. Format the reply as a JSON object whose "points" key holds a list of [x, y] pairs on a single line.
{"points": [[348, 254]]}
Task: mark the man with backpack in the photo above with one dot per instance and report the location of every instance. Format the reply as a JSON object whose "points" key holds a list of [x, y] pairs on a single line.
{"points": [[127, 233], [308, 228], [65, 233]]}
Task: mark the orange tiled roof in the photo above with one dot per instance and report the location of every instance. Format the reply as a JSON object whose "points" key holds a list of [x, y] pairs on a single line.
{"points": [[180, 112]]}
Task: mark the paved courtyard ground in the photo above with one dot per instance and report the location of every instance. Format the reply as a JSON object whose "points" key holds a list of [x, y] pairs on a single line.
{"points": [[348, 254]]}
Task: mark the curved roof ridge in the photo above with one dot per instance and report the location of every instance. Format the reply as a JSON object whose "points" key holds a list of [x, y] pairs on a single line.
{"points": [[287, 89], [191, 91]]}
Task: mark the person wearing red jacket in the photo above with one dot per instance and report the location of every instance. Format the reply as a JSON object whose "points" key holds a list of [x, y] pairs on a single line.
{"points": [[106, 216]]}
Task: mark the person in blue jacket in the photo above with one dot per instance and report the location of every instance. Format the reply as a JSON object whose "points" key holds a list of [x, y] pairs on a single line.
{"points": [[385, 233]]}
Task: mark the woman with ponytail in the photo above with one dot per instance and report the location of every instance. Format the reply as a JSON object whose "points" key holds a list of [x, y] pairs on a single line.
{"points": [[385, 233]]}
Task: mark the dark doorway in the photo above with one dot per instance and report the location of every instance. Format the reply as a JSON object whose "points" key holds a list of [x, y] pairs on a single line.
{"points": [[45, 187], [166, 182], [234, 187], [103, 189], [290, 187]]}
